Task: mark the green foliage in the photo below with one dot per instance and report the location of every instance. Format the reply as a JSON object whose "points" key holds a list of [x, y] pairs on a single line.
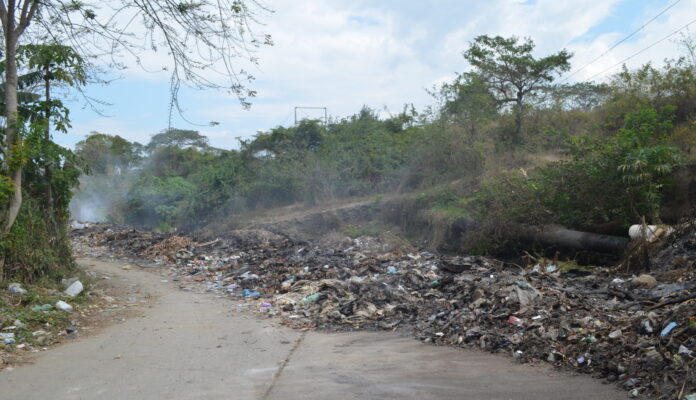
{"points": [[107, 154], [154, 200], [34, 248], [468, 102], [57, 62], [37, 245], [511, 72], [618, 137], [179, 138], [631, 168]]}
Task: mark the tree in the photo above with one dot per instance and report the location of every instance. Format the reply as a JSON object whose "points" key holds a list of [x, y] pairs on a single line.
{"points": [[108, 154], [199, 37], [468, 101], [511, 72], [61, 64], [181, 138]]}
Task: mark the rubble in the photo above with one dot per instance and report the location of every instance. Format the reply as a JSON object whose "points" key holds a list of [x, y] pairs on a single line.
{"points": [[635, 331]]}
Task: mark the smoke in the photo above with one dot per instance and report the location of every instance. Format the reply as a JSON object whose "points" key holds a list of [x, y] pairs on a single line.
{"points": [[100, 198]]}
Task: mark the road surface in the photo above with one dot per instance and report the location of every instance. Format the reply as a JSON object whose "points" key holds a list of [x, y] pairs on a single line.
{"points": [[186, 345]]}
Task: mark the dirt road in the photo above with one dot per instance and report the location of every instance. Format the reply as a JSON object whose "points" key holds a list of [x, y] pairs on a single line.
{"points": [[195, 346]]}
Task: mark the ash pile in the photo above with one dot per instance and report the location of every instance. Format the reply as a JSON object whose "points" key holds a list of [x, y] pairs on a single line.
{"points": [[637, 331]]}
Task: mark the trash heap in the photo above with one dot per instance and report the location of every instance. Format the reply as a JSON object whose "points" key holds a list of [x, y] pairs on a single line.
{"points": [[638, 331]]}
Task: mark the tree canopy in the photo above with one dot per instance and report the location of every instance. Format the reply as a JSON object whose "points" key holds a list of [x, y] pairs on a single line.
{"points": [[511, 72]]}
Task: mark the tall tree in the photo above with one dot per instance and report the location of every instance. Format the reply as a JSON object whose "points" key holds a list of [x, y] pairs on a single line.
{"points": [[200, 38], [61, 65], [511, 72]]}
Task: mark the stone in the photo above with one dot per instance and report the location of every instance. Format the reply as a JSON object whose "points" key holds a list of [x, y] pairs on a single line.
{"points": [[644, 281]]}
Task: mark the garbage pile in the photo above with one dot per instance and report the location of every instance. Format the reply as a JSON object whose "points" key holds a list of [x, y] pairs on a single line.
{"points": [[638, 331]]}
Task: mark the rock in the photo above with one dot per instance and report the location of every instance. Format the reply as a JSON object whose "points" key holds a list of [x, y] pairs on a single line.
{"points": [[61, 305], [74, 289], [16, 288], [644, 281]]}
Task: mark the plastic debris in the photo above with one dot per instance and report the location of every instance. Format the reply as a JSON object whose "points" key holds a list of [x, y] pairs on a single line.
{"points": [[7, 338], [668, 329], [615, 334], [61, 305], [74, 289], [16, 288], [598, 321], [251, 293]]}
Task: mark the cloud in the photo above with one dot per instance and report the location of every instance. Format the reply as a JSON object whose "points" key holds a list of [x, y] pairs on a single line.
{"points": [[343, 55]]}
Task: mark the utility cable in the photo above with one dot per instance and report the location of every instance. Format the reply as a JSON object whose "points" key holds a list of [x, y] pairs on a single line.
{"points": [[641, 51], [621, 41]]}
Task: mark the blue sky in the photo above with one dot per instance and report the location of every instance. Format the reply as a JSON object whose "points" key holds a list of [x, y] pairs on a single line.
{"points": [[343, 54]]}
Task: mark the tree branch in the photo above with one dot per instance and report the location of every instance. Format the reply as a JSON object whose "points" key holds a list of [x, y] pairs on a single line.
{"points": [[27, 15]]}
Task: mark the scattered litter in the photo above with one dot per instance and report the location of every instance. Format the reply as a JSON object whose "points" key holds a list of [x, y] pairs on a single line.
{"points": [[61, 305], [638, 331], [7, 337], [251, 293], [74, 289], [16, 288], [668, 329]]}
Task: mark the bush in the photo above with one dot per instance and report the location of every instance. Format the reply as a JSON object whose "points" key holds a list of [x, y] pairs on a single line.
{"points": [[612, 179]]}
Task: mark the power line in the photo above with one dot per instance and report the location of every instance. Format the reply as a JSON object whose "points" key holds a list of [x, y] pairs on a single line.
{"points": [[640, 52], [621, 41]]}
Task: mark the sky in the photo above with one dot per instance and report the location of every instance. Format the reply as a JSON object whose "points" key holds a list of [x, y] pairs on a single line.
{"points": [[346, 54]]}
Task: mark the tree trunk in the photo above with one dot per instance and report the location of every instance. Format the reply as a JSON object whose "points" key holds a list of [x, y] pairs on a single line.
{"points": [[48, 174], [15, 175], [517, 136], [11, 120]]}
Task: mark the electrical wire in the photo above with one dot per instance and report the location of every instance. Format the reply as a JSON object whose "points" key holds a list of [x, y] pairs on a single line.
{"points": [[621, 41], [641, 51]]}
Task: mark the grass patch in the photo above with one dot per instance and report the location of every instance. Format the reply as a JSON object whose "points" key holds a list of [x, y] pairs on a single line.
{"points": [[357, 230], [34, 325]]}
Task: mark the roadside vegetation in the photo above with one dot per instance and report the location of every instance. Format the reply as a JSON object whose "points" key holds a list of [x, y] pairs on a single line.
{"points": [[54, 48], [504, 144]]}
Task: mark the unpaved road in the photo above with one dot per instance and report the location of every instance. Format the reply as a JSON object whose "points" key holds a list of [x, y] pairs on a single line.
{"points": [[195, 346]]}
